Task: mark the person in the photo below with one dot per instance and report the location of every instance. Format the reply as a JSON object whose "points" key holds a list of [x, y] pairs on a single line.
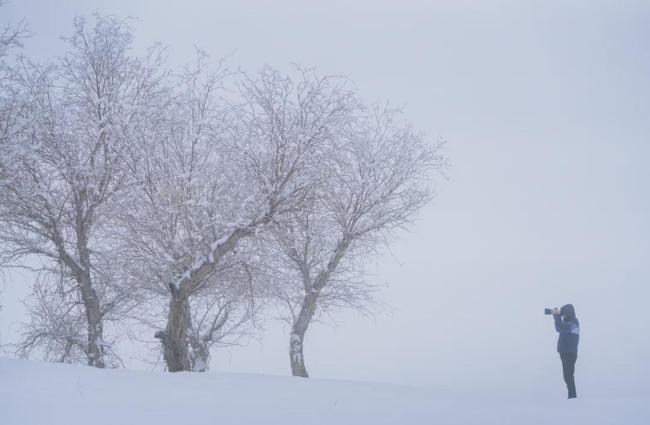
{"points": [[567, 325]]}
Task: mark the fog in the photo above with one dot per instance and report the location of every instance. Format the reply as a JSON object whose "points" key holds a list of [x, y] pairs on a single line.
{"points": [[544, 107]]}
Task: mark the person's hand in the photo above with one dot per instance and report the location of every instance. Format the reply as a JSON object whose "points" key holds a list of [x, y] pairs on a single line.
{"points": [[556, 312]]}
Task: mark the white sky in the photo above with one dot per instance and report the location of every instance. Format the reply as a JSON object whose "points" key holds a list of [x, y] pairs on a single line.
{"points": [[545, 107]]}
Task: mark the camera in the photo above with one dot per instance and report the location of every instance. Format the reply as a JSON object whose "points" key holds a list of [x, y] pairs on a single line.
{"points": [[548, 311]]}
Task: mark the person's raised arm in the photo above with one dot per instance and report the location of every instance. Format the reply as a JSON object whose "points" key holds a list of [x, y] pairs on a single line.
{"points": [[559, 326]]}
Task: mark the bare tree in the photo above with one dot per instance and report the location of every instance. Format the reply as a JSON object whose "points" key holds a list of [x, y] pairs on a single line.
{"points": [[378, 177], [63, 169]]}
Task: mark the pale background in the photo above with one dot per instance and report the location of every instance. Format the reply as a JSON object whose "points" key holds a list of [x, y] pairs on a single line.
{"points": [[545, 105]]}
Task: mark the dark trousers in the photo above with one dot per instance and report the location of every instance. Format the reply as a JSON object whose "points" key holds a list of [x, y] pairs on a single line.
{"points": [[568, 369]]}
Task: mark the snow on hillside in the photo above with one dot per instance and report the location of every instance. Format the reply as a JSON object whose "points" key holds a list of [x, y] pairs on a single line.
{"points": [[50, 394]]}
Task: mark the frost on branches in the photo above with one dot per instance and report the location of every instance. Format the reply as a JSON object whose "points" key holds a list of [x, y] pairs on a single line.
{"points": [[213, 174], [377, 176], [178, 205], [62, 168]]}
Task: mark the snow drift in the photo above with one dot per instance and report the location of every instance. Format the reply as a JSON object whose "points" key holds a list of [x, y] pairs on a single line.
{"points": [[50, 394]]}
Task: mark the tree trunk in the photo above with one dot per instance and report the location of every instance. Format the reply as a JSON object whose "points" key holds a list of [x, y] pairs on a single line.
{"points": [[298, 330], [176, 342], [95, 351], [83, 220]]}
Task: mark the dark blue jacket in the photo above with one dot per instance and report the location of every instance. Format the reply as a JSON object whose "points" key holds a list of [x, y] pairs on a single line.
{"points": [[568, 327]]}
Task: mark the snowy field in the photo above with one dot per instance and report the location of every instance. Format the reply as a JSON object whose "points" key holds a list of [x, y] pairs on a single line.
{"points": [[41, 393]]}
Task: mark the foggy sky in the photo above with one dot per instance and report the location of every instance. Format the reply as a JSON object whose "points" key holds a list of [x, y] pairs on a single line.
{"points": [[544, 105]]}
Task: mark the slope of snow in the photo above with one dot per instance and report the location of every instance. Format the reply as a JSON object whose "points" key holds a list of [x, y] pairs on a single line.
{"points": [[50, 394]]}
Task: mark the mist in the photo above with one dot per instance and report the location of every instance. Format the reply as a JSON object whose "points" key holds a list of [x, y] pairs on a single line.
{"points": [[544, 110]]}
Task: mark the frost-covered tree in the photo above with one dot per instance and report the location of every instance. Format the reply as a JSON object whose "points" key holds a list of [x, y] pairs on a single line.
{"points": [[377, 178], [182, 203], [218, 168], [172, 218], [61, 171]]}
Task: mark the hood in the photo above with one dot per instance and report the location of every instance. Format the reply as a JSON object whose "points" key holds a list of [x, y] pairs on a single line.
{"points": [[568, 311]]}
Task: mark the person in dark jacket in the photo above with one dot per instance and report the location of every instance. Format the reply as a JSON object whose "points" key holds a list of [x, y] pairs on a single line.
{"points": [[567, 325]]}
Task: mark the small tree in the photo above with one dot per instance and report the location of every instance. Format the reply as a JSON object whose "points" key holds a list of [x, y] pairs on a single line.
{"points": [[57, 325], [62, 169], [378, 177]]}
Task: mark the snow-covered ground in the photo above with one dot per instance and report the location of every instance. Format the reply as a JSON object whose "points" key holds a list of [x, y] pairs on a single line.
{"points": [[41, 393]]}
